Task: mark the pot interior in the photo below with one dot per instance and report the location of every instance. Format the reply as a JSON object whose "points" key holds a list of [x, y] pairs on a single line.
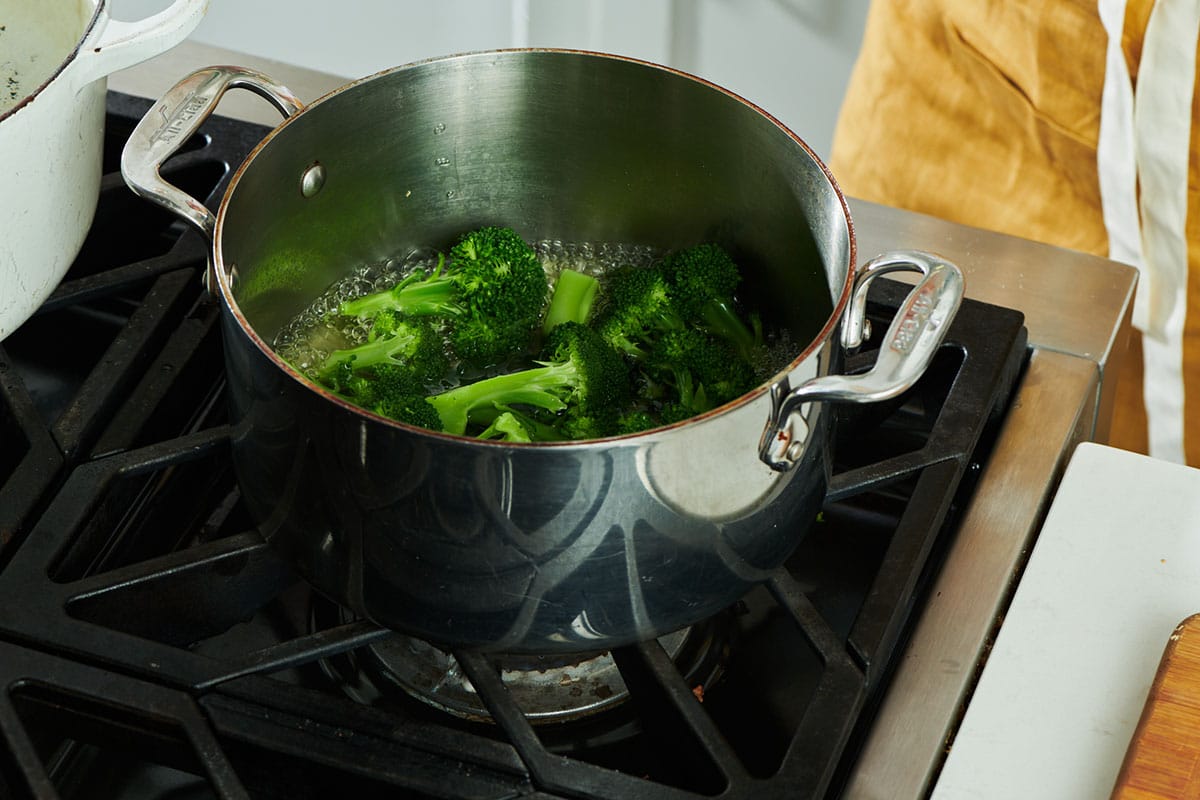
{"points": [[36, 37], [558, 145]]}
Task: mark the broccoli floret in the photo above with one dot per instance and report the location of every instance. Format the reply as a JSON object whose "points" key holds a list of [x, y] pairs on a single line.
{"points": [[507, 427], [536, 429], [687, 372], [636, 422], [420, 294], [676, 412], [574, 293], [702, 281], [410, 346], [492, 291], [582, 381], [414, 409], [673, 321], [597, 423], [638, 308], [390, 372], [705, 370]]}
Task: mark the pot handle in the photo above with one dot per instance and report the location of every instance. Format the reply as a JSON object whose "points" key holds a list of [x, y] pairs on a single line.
{"points": [[173, 120], [115, 45], [916, 332]]}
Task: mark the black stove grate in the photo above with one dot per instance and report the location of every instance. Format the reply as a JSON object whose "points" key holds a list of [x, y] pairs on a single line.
{"points": [[154, 646]]}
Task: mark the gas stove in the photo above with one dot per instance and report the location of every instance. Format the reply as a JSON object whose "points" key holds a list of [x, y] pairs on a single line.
{"points": [[153, 645]]}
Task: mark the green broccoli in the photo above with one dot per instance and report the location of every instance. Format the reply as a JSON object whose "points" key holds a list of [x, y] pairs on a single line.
{"points": [[507, 427], [536, 430], [582, 382], [686, 372], [574, 293], [400, 358], [636, 421], [638, 308], [672, 323], [414, 409], [702, 281], [492, 292], [689, 288], [704, 371], [410, 346]]}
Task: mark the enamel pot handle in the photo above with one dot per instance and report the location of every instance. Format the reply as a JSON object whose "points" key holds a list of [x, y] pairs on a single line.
{"points": [[173, 120], [114, 44], [914, 336]]}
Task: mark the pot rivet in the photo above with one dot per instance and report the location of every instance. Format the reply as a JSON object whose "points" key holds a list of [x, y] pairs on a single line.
{"points": [[312, 180], [799, 437]]}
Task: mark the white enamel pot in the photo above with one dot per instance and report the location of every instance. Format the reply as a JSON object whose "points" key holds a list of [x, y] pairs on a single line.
{"points": [[55, 57]]}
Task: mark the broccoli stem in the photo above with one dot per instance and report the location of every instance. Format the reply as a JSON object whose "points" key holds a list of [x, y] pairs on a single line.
{"points": [[365, 355], [506, 428], [535, 387], [572, 300], [418, 294], [719, 318], [538, 431], [434, 295]]}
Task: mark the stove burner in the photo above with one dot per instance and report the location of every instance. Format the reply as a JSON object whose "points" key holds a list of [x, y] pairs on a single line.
{"points": [[547, 689]]}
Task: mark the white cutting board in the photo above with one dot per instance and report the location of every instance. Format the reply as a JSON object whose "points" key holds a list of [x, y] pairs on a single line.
{"points": [[1115, 569]]}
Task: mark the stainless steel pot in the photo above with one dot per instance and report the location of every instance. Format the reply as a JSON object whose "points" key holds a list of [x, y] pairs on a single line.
{"points": [[55, 56], [544, 547]]}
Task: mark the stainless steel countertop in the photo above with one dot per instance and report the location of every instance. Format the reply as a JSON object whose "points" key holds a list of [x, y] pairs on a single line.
{"points": [[1077, 310]]}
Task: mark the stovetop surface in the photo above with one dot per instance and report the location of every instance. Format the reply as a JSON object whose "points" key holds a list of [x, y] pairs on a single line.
{"points": [[153, 645]]}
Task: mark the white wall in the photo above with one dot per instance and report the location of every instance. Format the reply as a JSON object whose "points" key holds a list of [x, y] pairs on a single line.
{"points": [[791, 57]]}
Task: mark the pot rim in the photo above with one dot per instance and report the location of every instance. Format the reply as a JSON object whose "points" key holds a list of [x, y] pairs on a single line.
{"points": [[827, 331], [101, 7]]}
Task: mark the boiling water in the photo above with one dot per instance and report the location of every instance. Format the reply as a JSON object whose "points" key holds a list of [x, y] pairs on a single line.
{"points": [[312, 335]]}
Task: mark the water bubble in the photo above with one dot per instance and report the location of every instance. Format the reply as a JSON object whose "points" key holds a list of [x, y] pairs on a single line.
{"points": [[418, 258], [439, 128], [442, 161]]}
